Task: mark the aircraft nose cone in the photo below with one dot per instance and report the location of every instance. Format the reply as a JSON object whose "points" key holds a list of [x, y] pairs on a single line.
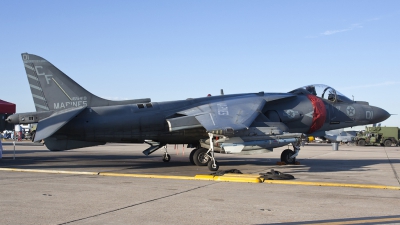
{"points": [[12, 119], [379, 115]]}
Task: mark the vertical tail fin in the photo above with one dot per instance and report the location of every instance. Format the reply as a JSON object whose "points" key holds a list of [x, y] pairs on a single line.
{"points": [[53, 90]]}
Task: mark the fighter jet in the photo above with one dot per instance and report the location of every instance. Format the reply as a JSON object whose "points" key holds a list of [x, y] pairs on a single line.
{"points": [[340, 135], [70, 117]]}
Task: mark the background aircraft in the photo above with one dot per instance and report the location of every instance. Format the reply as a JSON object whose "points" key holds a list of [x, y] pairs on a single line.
{"points": [[340, 135], [69, 117]]}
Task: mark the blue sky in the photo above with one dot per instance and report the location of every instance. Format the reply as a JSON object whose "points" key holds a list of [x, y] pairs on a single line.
{"points": [[170, 50]]}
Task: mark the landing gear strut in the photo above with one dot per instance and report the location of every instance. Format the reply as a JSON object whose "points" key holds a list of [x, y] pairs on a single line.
{"points": [[166, 157], [204, 157], [212, 164]]}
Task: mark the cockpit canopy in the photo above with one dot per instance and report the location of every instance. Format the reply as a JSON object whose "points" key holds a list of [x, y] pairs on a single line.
{"points": [[323, 91]]}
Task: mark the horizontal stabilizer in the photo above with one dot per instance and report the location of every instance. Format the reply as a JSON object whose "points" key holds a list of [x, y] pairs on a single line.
{"points": [[181, 123], [47, 127]]}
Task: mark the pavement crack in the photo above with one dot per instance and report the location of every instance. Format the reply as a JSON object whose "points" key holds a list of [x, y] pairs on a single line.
{"points": [[137, 204], [394, 170], [315, 156]]}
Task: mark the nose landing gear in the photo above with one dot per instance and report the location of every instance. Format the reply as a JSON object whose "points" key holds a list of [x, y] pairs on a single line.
{"points": [[289, 156]]}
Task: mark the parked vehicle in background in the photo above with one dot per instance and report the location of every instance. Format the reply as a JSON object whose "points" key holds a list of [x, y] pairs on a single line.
{"points": [[28, 131], [384, 136], [339, 135]]}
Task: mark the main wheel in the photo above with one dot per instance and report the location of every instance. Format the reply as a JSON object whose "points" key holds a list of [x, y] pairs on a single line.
{"points": [[213, 167], [361, 143], [200, 157], [192, 155], [285, 156], [388, 143], [166, 158]]}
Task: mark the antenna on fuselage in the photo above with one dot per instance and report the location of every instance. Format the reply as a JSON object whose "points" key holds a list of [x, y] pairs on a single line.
{"points": [[222, 91]]}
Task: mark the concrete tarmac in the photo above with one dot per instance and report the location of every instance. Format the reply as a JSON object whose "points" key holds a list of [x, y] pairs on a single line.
{"points": [[51, 198]]}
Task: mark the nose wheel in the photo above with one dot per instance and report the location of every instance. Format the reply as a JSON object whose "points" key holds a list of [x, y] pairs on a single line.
{"points": [[289, 156], [286, 157]]}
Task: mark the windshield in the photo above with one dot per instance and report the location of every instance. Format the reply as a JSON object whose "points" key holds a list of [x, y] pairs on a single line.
{"points": [[324, 91]]}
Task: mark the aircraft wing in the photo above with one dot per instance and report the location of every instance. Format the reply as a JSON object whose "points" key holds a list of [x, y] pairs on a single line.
{"points": [[225, 115], [46, 127]]}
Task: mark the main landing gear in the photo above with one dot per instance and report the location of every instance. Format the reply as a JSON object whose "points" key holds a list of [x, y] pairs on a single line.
{"points": [[199, 156], [204, 157]]}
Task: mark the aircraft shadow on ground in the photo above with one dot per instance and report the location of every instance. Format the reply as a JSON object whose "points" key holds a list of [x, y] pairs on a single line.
{"points": [[312, 165], [71, 160]]}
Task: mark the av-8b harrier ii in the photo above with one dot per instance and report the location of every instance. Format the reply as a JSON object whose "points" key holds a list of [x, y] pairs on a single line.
{"points": [[70, 117]]}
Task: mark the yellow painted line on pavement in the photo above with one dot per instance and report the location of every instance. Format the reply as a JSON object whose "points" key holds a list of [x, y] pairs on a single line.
{"points": [[197, 177], [204, 177], [327, 184], [237, 179], [246, 178], [147, 176], [48, 171]]}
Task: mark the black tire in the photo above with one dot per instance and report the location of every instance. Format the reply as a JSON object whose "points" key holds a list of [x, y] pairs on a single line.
{"points": [[200, 157], [285, 156], [191, 156], [211, 166], [388, 143], [361, 143], [166, 158]]}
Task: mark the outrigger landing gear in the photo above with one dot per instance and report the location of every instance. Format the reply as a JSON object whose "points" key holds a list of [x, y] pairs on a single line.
{"points": [[166, 157], [154, 146]]}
